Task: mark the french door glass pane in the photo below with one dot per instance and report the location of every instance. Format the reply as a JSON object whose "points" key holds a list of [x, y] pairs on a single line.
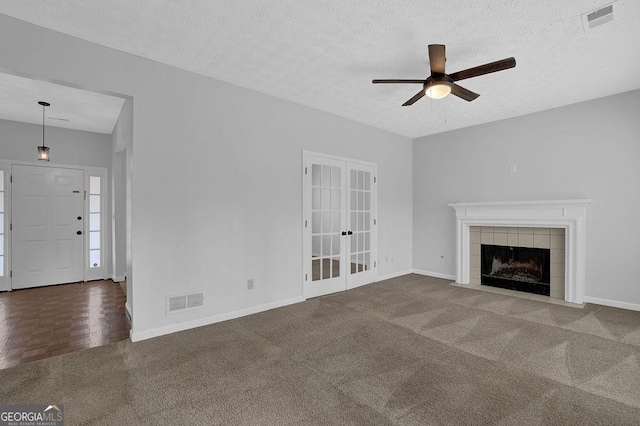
{"points": [[336, 267], [326, 222], [326, 176], [315, 269], [315, 175], [335, 221], [316, 223], [335, 177]]}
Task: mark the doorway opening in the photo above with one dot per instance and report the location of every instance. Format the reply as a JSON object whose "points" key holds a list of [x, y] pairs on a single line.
{"points": [[63, 225]]}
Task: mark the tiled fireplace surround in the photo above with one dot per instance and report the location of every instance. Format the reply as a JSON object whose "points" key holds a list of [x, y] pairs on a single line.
{"points": [[535, 221], [546, 238]]}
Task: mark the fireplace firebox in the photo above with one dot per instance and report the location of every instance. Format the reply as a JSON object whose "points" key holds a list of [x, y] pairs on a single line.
{"points": [[516, 268]]}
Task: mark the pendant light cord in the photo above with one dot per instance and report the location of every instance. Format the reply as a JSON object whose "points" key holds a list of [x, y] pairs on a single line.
{"points": [[43, 125]]}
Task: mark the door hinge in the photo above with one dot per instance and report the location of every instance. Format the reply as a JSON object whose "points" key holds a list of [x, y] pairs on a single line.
{"points": [[85, 195], [10, 274], [375, 179], [11, 227], [305, 223], [305, 170], [305, 277], [375, 222], [375, 264], [11, 179]]}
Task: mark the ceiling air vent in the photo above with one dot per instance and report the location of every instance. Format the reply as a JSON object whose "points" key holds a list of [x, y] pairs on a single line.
{"points": [[600, 16], [184, 302]]}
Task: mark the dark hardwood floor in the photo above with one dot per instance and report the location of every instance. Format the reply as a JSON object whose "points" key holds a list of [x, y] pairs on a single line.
{"points": [[48, 321]]}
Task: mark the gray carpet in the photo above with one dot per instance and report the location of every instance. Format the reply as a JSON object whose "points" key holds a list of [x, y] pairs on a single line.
{"points": [[411, 351]]}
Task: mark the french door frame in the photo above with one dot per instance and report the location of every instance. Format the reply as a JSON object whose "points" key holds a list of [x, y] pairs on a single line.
{"points": [[307, 223], [5, 278], [88, 273]]}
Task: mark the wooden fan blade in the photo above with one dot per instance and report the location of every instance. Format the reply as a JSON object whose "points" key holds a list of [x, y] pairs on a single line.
{"points": [[484, 69], [463, 93], [398, 81], [414, 99], [437, 58]]}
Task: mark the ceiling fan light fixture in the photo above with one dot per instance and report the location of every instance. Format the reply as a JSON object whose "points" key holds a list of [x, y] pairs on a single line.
{"points": [[439, 84], [438, 90]]}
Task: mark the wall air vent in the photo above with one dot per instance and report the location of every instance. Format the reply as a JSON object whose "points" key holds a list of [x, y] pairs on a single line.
{"points": [[184, 302], [195, 300], [597, 17]]}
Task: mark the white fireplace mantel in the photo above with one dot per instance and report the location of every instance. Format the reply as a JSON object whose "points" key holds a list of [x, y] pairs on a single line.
{"points": [[567, 214]]}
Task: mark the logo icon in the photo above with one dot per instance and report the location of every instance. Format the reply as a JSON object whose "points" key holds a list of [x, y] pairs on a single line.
{"points": [[32, 415]]}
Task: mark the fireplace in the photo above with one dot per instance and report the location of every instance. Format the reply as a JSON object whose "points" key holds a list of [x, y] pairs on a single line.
{"points": [[516, 268], [569, 215]]}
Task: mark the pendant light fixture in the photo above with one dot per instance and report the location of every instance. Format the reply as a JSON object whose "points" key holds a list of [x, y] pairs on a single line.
{"points": [[43, 151]]}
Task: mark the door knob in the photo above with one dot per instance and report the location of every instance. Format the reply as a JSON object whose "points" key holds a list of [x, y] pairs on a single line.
{"points": [[79, 232], [79, 217], [349, 233], [344, 232]]}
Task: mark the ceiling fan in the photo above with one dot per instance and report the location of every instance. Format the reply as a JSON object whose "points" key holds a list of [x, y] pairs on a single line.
{"points": [[438, 84]]}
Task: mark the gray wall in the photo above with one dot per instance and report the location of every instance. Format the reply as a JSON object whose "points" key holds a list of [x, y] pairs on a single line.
{"points": [[586, 150], [122, 138], [216, 186], [19, 141], [118, 217]]}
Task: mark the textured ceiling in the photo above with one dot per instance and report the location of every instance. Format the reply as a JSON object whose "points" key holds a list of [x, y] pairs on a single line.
{"points": [[70, 108], [325, 53]]}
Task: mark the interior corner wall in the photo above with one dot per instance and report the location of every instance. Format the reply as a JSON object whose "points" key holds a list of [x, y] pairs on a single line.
{"points": [[216, 179], [585, 150], [118, 218], [122, 140]]}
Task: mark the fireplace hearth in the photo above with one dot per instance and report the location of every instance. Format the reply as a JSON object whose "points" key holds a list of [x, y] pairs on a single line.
{"points": [[516, 268]]}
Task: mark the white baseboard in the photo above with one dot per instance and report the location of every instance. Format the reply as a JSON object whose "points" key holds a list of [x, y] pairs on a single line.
{"points": [[434, 274], [127, 307], [117, 279], [136, 336], [393, 275], [613, 303]]}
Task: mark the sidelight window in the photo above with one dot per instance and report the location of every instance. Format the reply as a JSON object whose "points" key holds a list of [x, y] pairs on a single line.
{"points": [[95, 219]]}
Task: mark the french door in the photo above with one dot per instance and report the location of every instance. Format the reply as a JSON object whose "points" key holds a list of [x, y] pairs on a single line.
{"points": [[48, 222], [339, 224]]}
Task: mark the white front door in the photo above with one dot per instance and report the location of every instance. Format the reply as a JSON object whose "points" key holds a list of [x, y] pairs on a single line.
{"points": [[48, 222], [339, 217]]}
